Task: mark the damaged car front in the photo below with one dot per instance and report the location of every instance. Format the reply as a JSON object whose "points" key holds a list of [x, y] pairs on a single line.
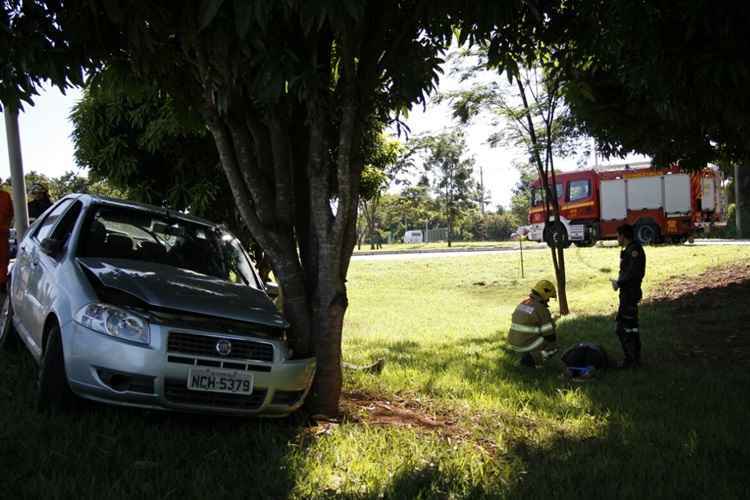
{"points": [[155, 310]]}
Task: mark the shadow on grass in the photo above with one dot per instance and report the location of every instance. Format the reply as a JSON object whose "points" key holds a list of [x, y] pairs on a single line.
{"points": [[674, 429], [99, 451]]}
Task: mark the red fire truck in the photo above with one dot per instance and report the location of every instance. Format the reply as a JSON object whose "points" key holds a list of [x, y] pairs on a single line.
{"points": [[663, 204]]}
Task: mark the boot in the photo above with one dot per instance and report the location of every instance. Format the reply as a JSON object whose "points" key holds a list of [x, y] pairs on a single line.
{"points": [[629, 349]]}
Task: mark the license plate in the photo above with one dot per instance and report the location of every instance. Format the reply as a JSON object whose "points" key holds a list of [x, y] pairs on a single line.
{"points": [[227, 381]]}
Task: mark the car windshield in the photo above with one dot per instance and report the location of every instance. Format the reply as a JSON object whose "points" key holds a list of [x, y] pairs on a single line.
{"points": [[135, 234]]}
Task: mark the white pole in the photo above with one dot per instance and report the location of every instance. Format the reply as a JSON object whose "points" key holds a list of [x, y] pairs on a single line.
{"points": [[16, 173]]}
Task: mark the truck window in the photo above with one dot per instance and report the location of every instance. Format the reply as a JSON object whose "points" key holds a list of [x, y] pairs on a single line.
{"points": [[537, 198], [579, 190]]}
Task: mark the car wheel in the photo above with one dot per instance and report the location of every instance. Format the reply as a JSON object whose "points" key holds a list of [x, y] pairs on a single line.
{"points": [[8, 335], [53, 391]]}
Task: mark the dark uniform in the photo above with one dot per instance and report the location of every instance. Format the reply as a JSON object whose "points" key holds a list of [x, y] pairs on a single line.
{"points": [[632, 270]]}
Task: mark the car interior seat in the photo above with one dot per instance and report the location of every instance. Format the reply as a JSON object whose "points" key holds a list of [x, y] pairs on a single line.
{"points": [[119, 246], [151, 251]]}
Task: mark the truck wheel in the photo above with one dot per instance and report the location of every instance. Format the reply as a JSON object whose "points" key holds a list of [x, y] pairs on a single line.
{"points": [[53, 392], [8, 335], [555, 235], [646, 234]]}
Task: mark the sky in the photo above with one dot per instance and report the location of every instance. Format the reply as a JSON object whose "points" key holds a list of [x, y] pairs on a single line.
{"points": [[47, 148]]}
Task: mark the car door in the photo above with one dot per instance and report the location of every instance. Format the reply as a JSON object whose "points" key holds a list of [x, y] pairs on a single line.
{"points": [[41, 286], [20, 283]]}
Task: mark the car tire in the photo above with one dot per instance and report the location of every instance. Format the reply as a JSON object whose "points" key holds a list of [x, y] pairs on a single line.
{"points": [[53, 391], [8, 335]]}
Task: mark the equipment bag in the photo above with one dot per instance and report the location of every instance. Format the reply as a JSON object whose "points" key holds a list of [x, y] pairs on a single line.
{"points": [[583, 358]]}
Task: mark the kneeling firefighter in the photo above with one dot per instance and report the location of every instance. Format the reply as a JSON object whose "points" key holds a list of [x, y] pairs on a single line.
{"points": [[532, 331]]}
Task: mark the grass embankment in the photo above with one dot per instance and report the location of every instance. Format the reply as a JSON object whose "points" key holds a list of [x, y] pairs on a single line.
{"points": [[452, 414]]}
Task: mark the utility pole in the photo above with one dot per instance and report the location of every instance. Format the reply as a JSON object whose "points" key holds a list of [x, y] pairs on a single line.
{"points": [[16, 172]]}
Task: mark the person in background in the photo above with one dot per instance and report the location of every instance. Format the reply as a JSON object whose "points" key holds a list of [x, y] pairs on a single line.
{"points": [[6, 219], [40, 200]]}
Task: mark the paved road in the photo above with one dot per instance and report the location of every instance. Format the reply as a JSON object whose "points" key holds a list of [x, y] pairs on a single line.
{"points": [[438, 254]]}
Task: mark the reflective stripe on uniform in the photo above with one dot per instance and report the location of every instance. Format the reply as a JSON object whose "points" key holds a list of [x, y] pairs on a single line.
{"points": [[547, 327], [529, 347], [631, 330], [524, 328]]}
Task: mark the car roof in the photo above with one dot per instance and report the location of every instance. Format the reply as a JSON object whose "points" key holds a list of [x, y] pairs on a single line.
{"points": [[90, 199]]}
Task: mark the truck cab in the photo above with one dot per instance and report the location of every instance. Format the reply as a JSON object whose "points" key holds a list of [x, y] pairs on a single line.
{"points": [[577, 196]]}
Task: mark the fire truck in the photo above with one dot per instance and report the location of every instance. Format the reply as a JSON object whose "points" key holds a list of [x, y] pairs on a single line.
{"points": [[663, 204]]}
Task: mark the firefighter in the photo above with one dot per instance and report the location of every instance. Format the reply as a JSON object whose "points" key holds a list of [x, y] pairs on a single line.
{"points": [[632, 270], [532, 331], [6, 220]]}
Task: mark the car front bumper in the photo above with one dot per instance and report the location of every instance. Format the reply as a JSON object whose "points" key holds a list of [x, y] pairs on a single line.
{"points": [[109, 370]]}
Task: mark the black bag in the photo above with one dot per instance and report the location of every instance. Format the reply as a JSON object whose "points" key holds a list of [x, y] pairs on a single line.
{"points": [[584, 357]]}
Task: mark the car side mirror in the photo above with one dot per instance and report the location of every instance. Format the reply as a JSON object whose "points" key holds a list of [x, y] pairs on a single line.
{"points": [[51, 246], [272, 289]]}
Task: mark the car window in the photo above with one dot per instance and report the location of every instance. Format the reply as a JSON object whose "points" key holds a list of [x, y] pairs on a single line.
{"points": [[49, 221], [113, 232], [65, 227], [579, 190]]}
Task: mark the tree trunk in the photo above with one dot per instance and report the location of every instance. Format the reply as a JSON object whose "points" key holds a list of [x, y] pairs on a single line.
{"points": [[285, 194], [562, 293], [550, 198], [326, 388]]}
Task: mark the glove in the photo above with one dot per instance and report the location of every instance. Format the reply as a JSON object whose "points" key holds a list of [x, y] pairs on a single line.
{"points": [[615, 286]]}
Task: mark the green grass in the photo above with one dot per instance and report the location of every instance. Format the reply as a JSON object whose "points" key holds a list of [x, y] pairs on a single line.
{"points": [[674, 429]]}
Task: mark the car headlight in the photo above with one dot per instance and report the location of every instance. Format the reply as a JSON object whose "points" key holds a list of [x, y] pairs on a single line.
{"points": [[115, 322]]}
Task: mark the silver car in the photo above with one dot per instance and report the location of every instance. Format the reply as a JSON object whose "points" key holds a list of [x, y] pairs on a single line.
{"points": [[137, 305]]}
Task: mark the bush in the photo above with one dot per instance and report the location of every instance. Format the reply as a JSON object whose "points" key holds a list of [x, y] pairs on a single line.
{"points": [[493, 227]]}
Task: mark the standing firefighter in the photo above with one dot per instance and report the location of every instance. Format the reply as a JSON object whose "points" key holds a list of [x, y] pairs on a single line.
{"points": [[632, 270], [533, 329]]}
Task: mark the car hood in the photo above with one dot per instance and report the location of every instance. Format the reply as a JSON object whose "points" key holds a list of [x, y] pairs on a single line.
{"points": [[183, 290]]}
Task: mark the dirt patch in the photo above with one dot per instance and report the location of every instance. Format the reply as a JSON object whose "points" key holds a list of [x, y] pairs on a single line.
{"points": [[710, 314], [395, 411], [705, 288], [421, 415]]}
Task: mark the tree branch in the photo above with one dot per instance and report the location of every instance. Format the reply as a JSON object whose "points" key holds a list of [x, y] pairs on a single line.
{"points": [[247, 160]]}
